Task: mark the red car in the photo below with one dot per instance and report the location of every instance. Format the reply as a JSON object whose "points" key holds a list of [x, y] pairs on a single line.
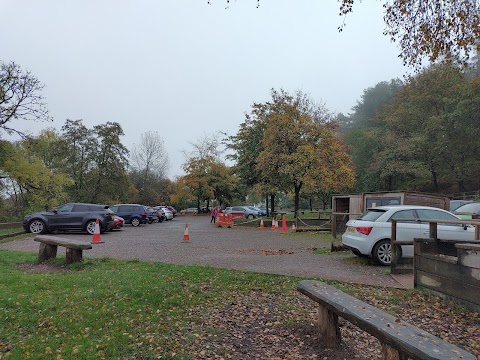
{"points": [[117, 222]]}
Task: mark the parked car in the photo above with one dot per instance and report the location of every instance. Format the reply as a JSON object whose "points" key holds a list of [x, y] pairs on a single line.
{"points": [[151, 215], [134, 214], [370, 234], [172, 209], [159, 214], [455, 204], [469, 210], [189, 211], [261, 212], [242, 211], [71, 216], [166, 211], [117, 222]]}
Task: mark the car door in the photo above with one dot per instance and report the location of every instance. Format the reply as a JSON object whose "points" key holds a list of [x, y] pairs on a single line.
{"points": [[79, 212], [445, 231], [62, 217], [125, 212], [408, 228]]}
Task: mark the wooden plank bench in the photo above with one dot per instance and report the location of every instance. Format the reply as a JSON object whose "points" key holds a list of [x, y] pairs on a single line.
{"points": [[400, 340], [49, 245]]}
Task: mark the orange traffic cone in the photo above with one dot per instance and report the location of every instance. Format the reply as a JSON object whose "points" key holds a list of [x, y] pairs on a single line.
{"points": [[185, 233], [261, 224], [275, 224], [96, 234], [284, 224]]}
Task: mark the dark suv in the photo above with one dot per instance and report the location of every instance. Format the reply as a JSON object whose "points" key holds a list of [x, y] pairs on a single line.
{"points": [[134, 214], [72, 216]]}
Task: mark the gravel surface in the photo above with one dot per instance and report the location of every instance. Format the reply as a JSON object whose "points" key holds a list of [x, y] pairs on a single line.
{"points": [[240, 248]]}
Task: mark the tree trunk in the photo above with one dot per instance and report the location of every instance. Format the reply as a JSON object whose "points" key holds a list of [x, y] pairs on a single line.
{"points": [[272, 202], [266, 204], [297, 198], [434, 180]]}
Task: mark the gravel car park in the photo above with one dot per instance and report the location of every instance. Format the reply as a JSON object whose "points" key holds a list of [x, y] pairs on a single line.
{"points": [[240, 248]]}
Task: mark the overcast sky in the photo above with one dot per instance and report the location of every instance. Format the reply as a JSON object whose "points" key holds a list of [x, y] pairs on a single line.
{"points": [[187, 69]]}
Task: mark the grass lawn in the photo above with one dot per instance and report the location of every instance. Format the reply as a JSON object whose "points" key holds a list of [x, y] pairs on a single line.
{"points": [[10, 231], [115, 309]]}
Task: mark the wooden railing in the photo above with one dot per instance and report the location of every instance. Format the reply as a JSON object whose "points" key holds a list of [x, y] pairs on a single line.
{"points": [[433, 234]]}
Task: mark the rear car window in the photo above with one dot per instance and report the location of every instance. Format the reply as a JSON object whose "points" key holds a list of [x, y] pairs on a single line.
{"points": [[371, 215], [80, 208], [435, 214], [404, 215]]}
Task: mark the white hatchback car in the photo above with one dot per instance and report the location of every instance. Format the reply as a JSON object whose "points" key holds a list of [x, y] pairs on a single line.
{"points": [[370, 234]]}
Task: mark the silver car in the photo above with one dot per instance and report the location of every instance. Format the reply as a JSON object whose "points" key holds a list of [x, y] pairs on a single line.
{"points": [[166, 211], [242, 211]]}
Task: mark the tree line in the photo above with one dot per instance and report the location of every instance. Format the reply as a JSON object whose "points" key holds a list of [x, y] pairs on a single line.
{"points": [[416, 134], [419, 134]]}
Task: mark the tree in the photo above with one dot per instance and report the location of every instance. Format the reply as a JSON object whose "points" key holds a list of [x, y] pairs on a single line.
{"points": [[78, 149], [20, 97], [436, 29], [430, 134], [301, 147], [149, 161], [247, 144], [32, 183], [433, 29], [110, 161], [205, 173], [362, 135], [150, 156]]}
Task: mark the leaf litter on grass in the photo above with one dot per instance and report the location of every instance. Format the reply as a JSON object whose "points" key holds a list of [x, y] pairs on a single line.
{"points": [[135, 310]]}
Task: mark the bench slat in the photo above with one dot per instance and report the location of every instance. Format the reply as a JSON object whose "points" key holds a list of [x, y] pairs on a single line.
{"points": [[70, 243], [404, 337]]}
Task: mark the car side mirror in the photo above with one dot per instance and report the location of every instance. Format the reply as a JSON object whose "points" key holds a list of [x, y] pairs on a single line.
{"points": [[55, 211]]}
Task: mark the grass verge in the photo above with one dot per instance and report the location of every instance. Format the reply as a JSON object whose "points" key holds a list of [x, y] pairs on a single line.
{"points": [[105, 308]]}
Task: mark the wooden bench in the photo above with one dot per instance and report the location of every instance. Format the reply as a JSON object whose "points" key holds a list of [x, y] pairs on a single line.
{"points": [[399, 339], [49, 245]]}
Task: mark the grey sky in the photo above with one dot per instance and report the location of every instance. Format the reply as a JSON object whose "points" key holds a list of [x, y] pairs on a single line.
{"points": [[185, 68]]}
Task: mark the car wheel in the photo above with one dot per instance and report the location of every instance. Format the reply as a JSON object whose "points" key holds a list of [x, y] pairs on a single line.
{"points": [[37, 227], [90, 227], [161, 218], [250, 216], [135, 222], [382, 252]]}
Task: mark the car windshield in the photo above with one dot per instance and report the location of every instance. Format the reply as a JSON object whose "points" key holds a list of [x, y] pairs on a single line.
{"points": [[469, 208], [371, 214]]}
